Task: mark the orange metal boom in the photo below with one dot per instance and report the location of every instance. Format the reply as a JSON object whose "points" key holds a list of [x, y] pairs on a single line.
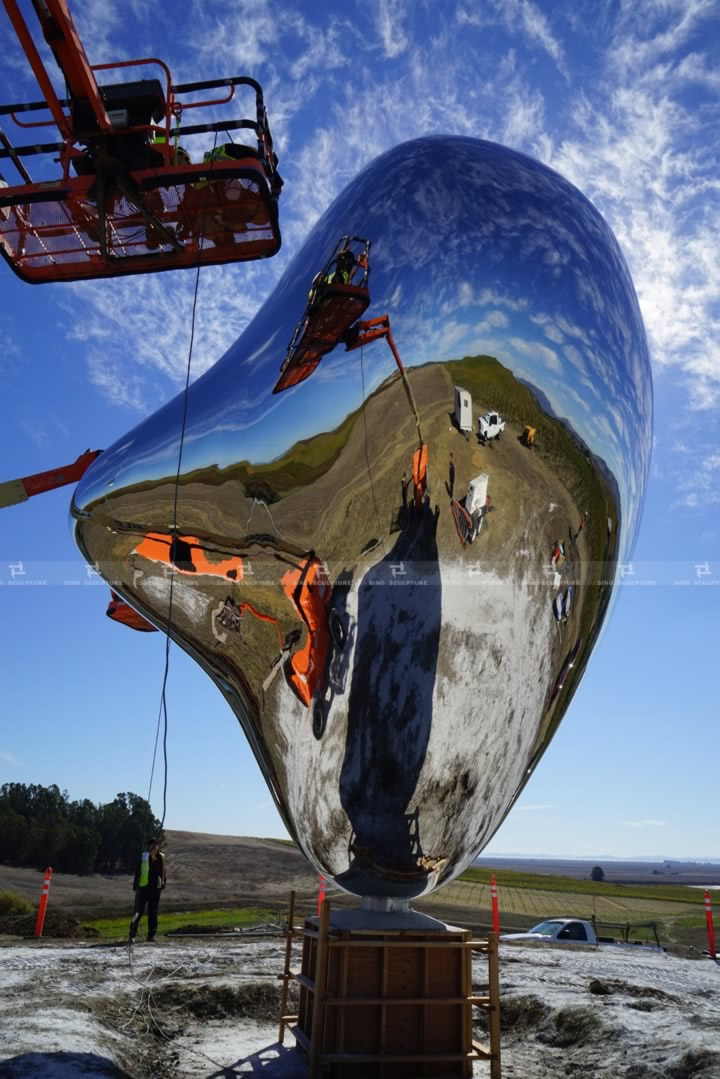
{"points": [[15, 491]]}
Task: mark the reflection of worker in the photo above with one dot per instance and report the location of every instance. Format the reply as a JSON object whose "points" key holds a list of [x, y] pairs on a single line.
{"points": [[583, 522], [344, 266], [341, 275], [148, 882]]}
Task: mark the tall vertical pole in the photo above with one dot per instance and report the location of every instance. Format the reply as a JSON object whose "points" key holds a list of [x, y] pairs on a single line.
{"points": [[321, 893], [495, 909], [43, 902], [710, 927]]}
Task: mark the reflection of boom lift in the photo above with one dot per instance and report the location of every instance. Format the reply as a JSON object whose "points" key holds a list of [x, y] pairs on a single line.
{"points": [[187, 554], [334, 303], [122, 612], [364, 333], [136, 203], [310, 590]]}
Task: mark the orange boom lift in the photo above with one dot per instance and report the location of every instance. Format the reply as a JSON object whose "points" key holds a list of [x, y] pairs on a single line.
{"points": [[15, 491], [128, 199]]}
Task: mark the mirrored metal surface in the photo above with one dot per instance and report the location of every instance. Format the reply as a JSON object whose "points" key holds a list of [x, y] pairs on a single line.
{"points": [[400, 635]]}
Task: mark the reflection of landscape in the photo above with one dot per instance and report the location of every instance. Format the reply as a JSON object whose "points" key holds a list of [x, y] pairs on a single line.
{"points": [[409, 653]]}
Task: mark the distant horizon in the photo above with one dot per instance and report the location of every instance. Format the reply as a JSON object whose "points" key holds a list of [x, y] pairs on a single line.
{"points": [[653, 858], [684, 859]]}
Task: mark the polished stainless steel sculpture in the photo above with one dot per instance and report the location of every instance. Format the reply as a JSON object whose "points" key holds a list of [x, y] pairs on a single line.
{"points": [[395, 583]]}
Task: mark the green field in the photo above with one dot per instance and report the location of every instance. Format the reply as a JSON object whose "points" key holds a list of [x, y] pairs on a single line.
{"points": [[525, 898], [546, 883], [244, 917]]}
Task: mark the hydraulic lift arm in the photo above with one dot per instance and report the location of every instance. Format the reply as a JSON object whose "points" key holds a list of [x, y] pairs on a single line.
{"points": [[14, 491]]}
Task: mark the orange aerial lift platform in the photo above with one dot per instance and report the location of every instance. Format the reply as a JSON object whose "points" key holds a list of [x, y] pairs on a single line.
{"points": [[128, 199]]}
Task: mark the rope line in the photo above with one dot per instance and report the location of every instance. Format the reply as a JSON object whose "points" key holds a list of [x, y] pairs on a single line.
{"points": [[162, 711]]}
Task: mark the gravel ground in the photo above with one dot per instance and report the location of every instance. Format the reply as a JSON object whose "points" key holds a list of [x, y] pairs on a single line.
{"points": [[73, 1008]]}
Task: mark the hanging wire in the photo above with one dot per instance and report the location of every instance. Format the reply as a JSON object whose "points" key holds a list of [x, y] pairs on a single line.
{"points": [[162, 711]]}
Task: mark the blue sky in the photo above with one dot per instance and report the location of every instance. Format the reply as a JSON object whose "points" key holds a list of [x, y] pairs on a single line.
{"points": [[622, 99]]}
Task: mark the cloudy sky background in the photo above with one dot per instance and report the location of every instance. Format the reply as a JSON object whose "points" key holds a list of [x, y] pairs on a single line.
{"points": [[622, 99]]}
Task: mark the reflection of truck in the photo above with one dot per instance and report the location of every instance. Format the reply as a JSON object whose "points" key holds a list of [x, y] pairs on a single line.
{"points": [[470, 513], [582, 931], [490, 426], [463, 410], [476, 502]]}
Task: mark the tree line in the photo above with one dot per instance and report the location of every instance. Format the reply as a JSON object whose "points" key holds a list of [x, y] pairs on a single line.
{"points": [[40, 827]]}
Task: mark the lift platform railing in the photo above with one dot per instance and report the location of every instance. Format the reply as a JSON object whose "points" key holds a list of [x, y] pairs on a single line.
{"points": [[124, 138]]}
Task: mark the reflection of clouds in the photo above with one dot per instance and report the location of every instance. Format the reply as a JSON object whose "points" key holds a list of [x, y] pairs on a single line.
{"points": [[495, 320], [534, 350], [475, 249], [575, 396], [575, 357], [488, 297]]}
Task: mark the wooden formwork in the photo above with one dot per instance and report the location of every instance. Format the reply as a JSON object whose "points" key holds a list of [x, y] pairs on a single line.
{"points": [[395, 1004]]}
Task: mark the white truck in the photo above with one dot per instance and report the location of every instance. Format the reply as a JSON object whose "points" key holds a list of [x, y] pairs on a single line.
{"points": [[557, 931], [581, 931], [490, 426]]}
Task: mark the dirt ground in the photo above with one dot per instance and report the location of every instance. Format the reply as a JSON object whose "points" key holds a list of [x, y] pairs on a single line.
{"points": [[200, 1009], [207, 1007], [203, 871]]}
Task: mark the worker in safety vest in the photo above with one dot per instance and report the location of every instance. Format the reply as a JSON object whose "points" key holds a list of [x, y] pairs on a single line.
{"points": [[217, 209], [178, 155], [148, 882]]}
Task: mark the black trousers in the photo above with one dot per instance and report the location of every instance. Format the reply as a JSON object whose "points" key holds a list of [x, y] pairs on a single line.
{"points": [[149, 897]]}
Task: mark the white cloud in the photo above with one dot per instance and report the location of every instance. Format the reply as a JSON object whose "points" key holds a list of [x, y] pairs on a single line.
{"points": [[533, 808], [36, 431], [390, 19], [697, 477], [9, 758], [640, 156], [495, 320], [518, 16], [631, 141], [645, 822]]}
